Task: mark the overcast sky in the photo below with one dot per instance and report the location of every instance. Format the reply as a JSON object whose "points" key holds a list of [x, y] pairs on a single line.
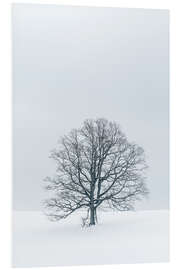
{"points": [[73, 63]]}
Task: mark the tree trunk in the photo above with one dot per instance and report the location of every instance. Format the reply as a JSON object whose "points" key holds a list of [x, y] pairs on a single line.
{"points": [[95, 212], [92, 216]]}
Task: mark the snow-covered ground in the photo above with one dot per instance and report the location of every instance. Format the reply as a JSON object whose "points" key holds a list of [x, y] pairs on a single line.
{"points": [[128, 237]]}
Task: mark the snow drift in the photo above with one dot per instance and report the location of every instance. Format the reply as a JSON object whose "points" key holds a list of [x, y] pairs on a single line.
{"points": [[126, 237]]}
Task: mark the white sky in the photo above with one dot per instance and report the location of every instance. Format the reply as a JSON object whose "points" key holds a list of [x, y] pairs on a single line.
{"points": [[73, 63]]}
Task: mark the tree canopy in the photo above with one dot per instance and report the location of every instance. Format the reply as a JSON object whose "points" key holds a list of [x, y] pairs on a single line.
{"points": [[97, 167]]}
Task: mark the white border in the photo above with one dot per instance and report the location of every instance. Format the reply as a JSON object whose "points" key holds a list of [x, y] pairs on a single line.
{"points": [[104, 3], [5, 126]]}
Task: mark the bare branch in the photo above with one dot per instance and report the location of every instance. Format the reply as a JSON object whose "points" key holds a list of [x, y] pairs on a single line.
{"points": [[96, 167]]}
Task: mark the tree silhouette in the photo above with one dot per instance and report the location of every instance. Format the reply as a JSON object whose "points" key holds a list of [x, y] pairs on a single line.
{"points": [[96, 168]]}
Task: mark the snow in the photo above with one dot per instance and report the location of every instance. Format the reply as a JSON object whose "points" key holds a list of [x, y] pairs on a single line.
{"points": [[126, 237]]}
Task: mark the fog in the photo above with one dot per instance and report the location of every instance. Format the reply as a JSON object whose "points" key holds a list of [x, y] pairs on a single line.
{"points": [[73, 63]]}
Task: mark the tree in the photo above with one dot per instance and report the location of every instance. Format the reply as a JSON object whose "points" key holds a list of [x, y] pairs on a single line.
{"points": [[96, 168]]}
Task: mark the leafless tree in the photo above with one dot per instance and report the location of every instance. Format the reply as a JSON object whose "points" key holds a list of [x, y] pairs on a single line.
{"points": [[96, 168]]}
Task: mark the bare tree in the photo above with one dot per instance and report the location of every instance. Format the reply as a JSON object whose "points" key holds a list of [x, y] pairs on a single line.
{"points": [[96, 168]]}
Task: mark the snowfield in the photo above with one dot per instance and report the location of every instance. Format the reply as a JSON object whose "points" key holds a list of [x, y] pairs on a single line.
{"points": [[126, 237]]}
